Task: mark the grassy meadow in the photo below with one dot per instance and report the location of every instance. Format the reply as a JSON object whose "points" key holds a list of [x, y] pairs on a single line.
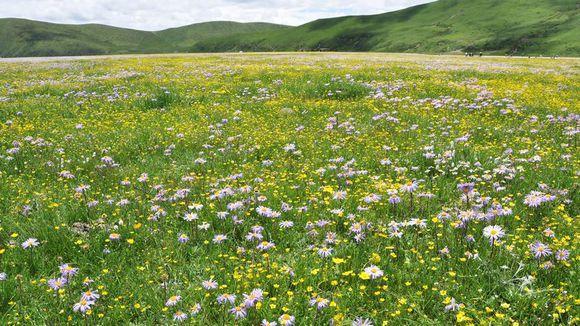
{"points": [[289, 189]]}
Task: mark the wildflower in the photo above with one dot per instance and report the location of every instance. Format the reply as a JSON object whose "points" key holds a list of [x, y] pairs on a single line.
{"points": [[452, 306], [30, 243], [143, 178], [359, 321], [172, 301], [319, 302], [231, 298], [183, 238], [562, 255], [258, 294], [536, 198], [364, 276], [493, 233], [254, 236], [540, 250], [67, 270], [196, 206], [179, 316], [219, 238], [372, 198], [410, 186], [264, 211], [290, 147], [239, 312], [286, 320], [254, 297], [190, 217], [466, 187], [107, 160], [90, 295], [195, 309], [268, 323], [374, 272], [66, 175], [83, 305], [549, 233], [286, 224], [81, 189], [221, 215], [3, 276], [339, 195], [57, 283], [324, 252], [209, 284], [265, 245]]}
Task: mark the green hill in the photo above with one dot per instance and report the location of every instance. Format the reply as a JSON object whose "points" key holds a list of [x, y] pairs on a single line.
{"points": [[499, 26], [186, 37], [548, 27], [21, 37]]}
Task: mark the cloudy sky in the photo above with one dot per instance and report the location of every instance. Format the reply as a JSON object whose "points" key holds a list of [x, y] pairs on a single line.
{"points": [[160, 14]]}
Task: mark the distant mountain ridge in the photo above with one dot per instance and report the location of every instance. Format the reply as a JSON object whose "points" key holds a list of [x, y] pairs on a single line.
{"points": [[546, 27], [22, 37]]}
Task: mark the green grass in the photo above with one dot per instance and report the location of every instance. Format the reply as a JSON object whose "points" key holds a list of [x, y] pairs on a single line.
{"points": [[361, 123]]}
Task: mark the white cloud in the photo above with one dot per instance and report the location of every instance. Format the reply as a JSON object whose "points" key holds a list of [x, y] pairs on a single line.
{"points": [[156, 14]]}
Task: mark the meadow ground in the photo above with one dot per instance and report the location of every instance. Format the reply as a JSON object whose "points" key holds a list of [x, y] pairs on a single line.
{"points": [[301, 189]]}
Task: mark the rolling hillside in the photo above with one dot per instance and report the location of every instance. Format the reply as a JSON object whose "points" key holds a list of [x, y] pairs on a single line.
{"points": [[547, 27], [185, 38], [498, 26], [21, 37]]}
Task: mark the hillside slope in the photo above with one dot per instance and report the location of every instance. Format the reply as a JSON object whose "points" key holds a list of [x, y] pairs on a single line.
{"points": [[22, 37], [499, 26], [186, 37], [547, 27]]}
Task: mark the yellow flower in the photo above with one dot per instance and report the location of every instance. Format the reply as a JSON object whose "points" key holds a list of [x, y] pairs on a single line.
{"points": [[338, 260], [364, 276], [461, 317]]}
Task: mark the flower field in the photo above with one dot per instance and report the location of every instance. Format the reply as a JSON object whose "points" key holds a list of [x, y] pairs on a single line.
{"points": [[289, 189]]}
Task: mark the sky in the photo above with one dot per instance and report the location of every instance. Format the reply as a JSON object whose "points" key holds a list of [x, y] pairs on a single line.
{"points": [[156, 15]]}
